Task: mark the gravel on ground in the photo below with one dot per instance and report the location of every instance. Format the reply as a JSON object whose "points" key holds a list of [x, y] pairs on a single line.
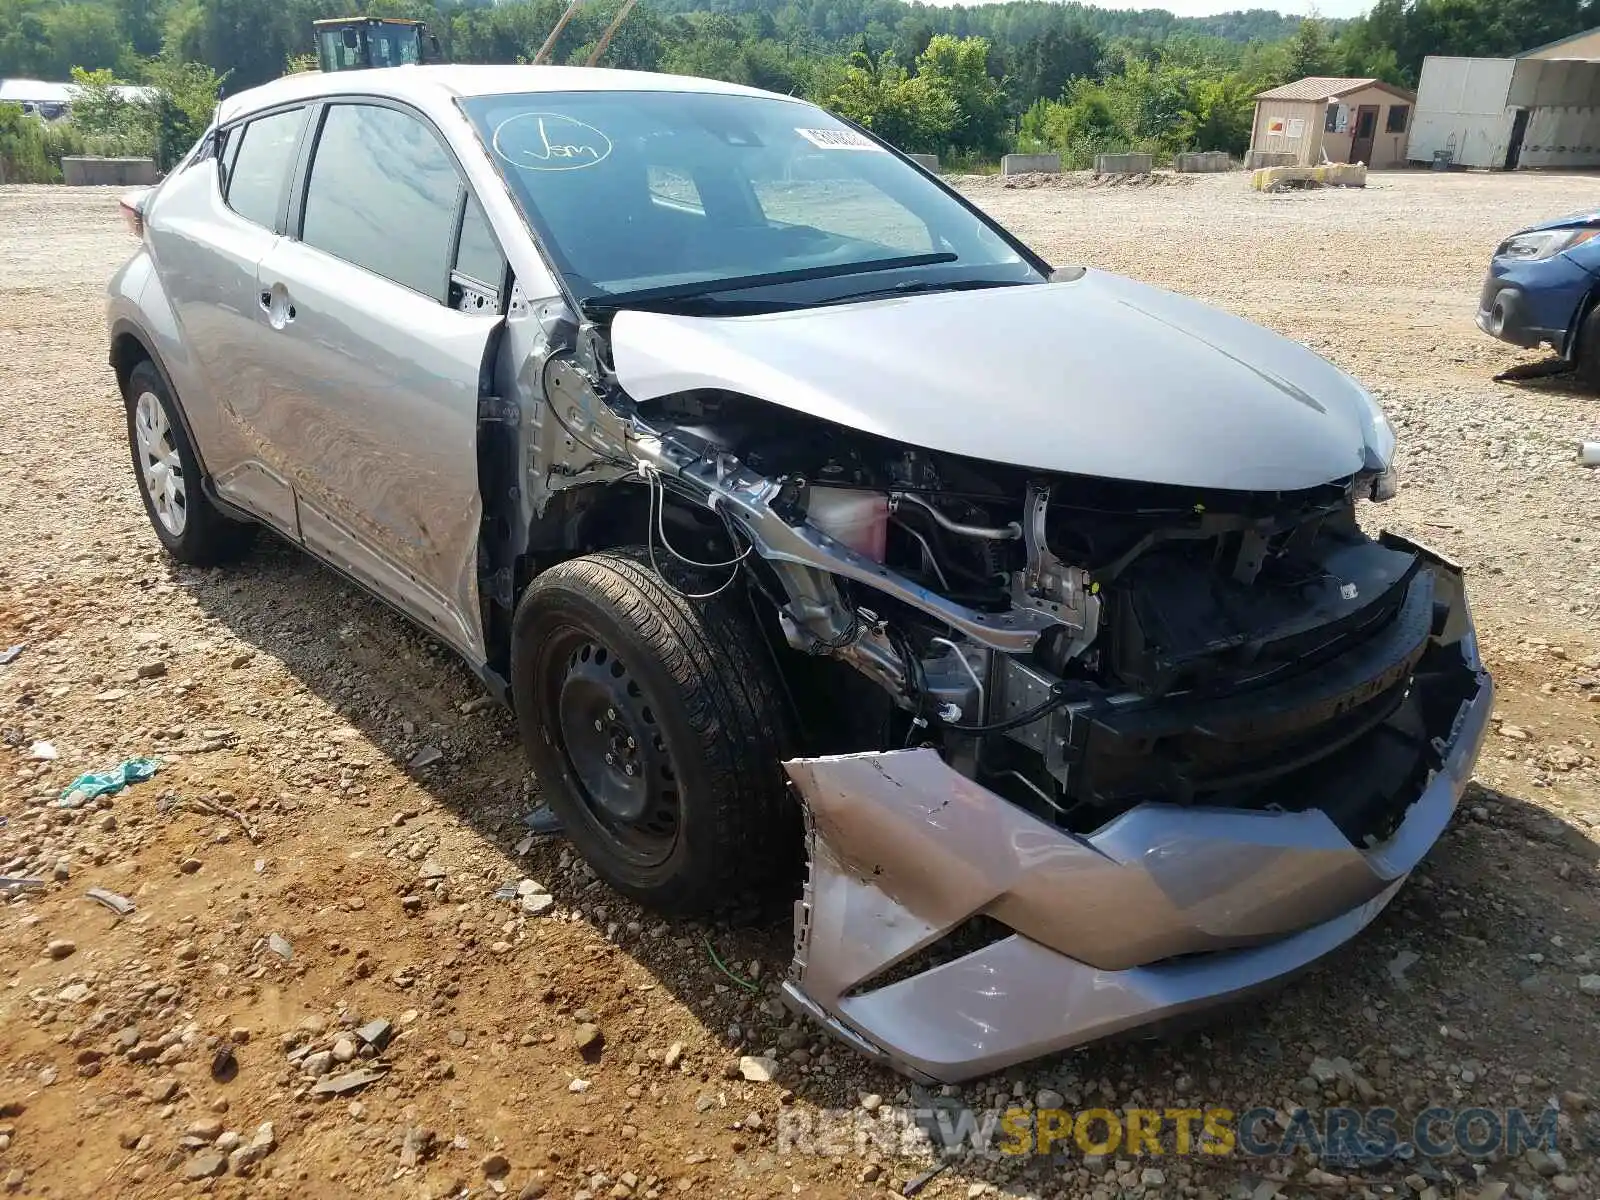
{"points": [[318, 954]]}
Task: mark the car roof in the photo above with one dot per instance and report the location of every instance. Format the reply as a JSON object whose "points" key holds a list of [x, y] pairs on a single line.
{"points": [[427, 86]]}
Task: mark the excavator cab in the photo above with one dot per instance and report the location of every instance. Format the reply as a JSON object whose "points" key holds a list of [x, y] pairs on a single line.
{"points": [[356, 43]]}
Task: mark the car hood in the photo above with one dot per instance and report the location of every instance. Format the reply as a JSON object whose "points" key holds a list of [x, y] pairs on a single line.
{"points": [[1570, 221], [1098, 376]]}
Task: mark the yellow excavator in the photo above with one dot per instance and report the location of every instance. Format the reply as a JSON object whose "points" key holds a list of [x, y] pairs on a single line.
{"points": [[357, 43]]}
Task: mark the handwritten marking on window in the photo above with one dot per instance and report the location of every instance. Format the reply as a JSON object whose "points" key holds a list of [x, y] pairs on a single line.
{"points": [[550, 142]]}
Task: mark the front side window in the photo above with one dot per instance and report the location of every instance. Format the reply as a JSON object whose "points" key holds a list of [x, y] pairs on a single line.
{"points": [[383, 195], [478, 255], [1399, 114], [260, 160], [646, 191]]}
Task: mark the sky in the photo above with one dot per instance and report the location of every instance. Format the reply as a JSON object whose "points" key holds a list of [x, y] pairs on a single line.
{"points": [[1207, 8]]}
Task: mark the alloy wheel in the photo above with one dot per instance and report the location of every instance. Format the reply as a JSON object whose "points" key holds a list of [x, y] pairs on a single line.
{"points": [[160, 468]]}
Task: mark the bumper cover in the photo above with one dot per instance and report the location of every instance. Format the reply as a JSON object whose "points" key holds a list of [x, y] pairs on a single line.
{"points": [[1163, 911], [1532, 304]]}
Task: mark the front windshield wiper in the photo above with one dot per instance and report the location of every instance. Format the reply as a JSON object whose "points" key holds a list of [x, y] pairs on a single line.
{"points": [[927, 285], [688, 291]]}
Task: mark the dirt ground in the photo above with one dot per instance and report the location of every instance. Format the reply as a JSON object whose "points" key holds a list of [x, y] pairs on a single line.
{"points": [[337, 805]]}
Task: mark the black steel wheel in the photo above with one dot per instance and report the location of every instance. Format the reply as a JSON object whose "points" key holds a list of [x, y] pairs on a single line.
{"points": [[657, 729], [613, 744]]}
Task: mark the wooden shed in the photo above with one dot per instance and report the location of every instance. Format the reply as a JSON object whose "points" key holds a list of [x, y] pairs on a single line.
{"points": [[1327, 118]]}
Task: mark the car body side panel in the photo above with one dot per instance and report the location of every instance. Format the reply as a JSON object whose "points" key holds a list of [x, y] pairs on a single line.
{"points": [[372, 407], [205, 257]]}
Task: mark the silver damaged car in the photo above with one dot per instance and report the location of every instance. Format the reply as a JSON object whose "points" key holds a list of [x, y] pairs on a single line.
{"points": [[818, 531]]}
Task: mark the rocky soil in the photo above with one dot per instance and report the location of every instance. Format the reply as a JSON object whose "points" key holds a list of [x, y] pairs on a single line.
{"points": [[329, 960]]}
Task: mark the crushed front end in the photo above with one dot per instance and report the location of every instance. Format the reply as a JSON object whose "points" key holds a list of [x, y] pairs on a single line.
{"points": [[1268, 762], [950, 932], [1084, 754]]}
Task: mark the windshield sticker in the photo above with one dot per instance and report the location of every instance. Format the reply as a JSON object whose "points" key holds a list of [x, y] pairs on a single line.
{"points": [[550, 142], [838, 139]]}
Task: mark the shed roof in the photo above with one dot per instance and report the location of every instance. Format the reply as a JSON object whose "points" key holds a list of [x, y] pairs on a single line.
{"points": [[1326, 87], [1572, 37]]}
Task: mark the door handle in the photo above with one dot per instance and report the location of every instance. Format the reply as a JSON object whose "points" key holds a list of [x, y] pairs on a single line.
{"points": [[275, 303]]}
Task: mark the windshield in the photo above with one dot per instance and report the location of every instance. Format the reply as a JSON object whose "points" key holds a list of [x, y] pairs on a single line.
{"points": [[394, 45], [657, 194], [387, 46]]}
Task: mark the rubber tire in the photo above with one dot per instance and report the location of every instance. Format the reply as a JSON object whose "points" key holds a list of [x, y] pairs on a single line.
{"points": [[1586, 360], [209, 537], [703, 669]]}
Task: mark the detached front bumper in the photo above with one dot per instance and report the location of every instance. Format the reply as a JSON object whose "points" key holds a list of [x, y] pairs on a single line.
{"points": [[1164, 911]]}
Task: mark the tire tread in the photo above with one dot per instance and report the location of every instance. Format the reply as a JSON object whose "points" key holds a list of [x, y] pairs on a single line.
{"points": [[723, 680]]}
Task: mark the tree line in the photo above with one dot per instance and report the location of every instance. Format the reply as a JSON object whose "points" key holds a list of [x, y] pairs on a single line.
{"points": [[965, 81]]}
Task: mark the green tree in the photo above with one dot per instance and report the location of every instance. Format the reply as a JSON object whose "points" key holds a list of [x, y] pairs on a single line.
{"points": [[904, 111], [186, 98], [99, 109], [1309, 50], [22, 148], [1048, 61], [248, 40], [139, 24], [24, 41], [959, 69]]}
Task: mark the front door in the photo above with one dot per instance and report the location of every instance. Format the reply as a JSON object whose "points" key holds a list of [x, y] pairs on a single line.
{"points": [[1366, 130], [375, 404]]}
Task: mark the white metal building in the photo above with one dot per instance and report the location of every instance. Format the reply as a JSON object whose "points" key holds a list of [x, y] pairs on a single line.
{"points": [[52, 99], [1539, 109]]}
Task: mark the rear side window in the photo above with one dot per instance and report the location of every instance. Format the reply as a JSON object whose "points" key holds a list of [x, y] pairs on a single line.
{"points": [[261, 158], [383, 195]]}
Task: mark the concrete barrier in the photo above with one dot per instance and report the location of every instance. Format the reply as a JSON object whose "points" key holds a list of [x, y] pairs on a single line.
{"points": [[105, 172], [1204, 162], [1270, 179], [928, 161], [1124, 164], [1268, 158], [1026, 164]]}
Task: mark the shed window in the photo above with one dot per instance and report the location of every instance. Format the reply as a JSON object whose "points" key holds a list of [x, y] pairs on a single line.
{"points": [[1399, 114], [1338, 119]]}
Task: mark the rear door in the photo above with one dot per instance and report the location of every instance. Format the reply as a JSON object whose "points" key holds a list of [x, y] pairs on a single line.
{"points": [[382, 308], [213, 224]]}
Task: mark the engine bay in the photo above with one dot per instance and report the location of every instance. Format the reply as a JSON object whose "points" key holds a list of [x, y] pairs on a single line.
{"points": [[1079, 645]]}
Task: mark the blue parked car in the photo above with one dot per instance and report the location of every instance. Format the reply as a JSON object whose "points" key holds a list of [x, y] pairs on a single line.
{"points": [[1542, 290]]}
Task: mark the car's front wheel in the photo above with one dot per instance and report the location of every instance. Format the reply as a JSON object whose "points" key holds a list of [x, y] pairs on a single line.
{"points": [[656, 727], [191, 528], [1586, 348]]}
